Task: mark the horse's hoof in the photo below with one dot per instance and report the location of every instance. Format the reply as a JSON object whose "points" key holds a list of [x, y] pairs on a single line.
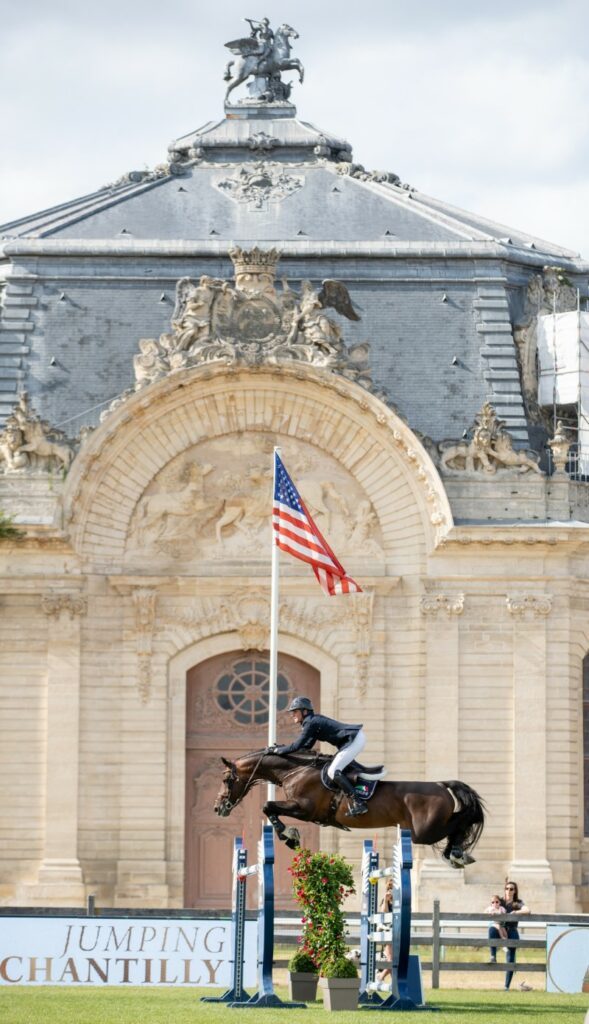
{"points": [[292, 838], [467, 859]]}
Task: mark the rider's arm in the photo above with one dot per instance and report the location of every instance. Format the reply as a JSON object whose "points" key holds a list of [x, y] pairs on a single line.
{"points": [[305, 741]]}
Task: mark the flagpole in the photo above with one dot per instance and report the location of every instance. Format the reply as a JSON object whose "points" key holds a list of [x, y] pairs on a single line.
{"points": [[273, 694]]}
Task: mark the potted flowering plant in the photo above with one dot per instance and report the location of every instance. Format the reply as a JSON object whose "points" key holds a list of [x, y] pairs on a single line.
{"points": [[321, 882], [302, 977]]}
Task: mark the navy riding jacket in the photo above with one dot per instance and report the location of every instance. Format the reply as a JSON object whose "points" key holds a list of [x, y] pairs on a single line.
{"points": [[316, 728]]}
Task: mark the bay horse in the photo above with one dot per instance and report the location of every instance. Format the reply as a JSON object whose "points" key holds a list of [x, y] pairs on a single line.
{"points": [[433, 811]]}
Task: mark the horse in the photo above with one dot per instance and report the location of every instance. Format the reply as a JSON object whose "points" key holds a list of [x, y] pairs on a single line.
{"points": [[277, 59], [433, 811]]}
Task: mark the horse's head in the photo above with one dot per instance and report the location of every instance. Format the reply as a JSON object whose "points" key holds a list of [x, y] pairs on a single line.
{"points": [[288, 32], [232, 790]]}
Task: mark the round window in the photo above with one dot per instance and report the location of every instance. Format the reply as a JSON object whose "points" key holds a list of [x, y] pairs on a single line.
{"points": [[244, 689]]}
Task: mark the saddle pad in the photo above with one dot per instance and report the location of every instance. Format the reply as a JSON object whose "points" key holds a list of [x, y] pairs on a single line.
{"points": [[364, 790]]}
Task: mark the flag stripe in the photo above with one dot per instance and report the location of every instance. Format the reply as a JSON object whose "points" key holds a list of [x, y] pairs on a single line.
{"points": [[298, 535]]}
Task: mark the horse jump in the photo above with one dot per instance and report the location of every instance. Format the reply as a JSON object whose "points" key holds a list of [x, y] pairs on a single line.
{"points": [[263, 870], [406, 991]]}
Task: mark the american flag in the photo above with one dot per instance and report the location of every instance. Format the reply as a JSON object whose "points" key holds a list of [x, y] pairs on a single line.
{"points": [[297, 533]]}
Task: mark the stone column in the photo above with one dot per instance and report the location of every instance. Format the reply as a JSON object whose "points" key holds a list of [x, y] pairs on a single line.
{"points": [[529, 866], [60, 875], [441, 612]]}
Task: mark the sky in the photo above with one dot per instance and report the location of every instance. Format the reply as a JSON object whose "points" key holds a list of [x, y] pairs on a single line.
{"points": [[483, 105]]}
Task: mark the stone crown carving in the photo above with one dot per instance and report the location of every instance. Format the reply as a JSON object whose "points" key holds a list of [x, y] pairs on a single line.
{"points": [[29, 444], [488, 450], [250, 322]]}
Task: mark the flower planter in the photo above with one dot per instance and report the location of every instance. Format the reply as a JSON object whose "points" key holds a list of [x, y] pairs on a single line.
{"points": [[340, 993], [302, 986]]}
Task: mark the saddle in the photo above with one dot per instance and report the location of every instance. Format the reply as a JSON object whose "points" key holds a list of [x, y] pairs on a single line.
{"points": [[364, 778]]}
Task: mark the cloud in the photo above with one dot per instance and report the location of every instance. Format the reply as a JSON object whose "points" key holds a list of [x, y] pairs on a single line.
{"points": [[474, 104]]}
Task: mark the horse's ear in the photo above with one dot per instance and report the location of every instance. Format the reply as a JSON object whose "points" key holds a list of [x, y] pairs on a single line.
{"points": [[228, 764]]}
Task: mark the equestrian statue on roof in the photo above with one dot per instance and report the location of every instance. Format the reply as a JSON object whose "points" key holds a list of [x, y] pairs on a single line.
{"points": [[262, 56]]}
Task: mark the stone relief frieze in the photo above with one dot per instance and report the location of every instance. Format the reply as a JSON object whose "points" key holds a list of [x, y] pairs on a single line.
{"points": [[265, 183], [488, 450], [31, 445], [213, 502]]}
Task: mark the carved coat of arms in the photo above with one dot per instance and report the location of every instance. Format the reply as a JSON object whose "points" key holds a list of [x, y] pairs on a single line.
{"points": [[252, 322]]}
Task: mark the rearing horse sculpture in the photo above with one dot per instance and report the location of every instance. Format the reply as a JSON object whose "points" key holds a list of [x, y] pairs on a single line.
{"points": [[267, 64], [434, 811]]}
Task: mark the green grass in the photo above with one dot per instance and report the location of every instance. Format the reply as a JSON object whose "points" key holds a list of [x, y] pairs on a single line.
{"points": [[132, 1005]]}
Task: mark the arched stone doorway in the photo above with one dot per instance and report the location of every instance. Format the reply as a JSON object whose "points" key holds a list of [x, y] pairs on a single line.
{"points": [[227, 713]]}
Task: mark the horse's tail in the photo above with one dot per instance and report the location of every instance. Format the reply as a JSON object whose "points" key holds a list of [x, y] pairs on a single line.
{"points": [[469, 821]]}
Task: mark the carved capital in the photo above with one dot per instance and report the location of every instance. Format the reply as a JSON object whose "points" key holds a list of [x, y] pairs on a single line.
{"points": [[529, 605], [144, 600], [451, 604], [56, 602]]}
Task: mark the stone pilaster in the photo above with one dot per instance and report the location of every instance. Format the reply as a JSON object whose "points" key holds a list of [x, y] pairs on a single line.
{"points": [[141, 868], [60, 875], [529, 866], [441, 613]]}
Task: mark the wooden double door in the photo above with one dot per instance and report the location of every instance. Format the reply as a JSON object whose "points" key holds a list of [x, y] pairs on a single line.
{"points": [[227, 715]]}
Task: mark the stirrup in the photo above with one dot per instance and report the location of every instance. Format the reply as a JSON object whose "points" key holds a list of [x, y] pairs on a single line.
{"points": [[355, 809]]}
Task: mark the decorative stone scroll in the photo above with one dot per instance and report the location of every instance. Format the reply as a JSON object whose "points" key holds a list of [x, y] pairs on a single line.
{"points": [[529, 605], [144, 600], [451, 604], [250, 323], [490, 449], [56, 601], [29, 444]]}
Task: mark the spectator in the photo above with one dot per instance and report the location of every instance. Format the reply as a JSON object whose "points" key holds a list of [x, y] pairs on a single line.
{"points": [[496, 907], [512, 904]]}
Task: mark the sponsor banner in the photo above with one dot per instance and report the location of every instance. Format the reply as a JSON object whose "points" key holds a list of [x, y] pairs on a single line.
{"points": [[567, 958], [121, 951]]}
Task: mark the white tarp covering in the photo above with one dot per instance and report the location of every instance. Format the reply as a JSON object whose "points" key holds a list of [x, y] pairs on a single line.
{"points": [[563, 352]]}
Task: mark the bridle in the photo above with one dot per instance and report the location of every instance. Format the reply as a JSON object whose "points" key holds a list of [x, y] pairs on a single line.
{"points": [[234, 777]]}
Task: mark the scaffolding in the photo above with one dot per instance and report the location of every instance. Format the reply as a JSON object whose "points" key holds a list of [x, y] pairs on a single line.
{"points": [[563, 379]]}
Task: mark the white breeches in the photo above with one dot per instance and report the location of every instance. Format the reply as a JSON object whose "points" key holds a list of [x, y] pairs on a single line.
{"points": [[343, 757]]}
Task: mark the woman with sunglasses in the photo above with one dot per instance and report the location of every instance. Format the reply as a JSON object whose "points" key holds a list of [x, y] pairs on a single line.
{"points": [[512, 904]]}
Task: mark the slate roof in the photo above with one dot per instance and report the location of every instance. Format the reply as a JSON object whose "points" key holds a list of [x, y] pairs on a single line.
{"points": [[436, 286], [185, 200]]}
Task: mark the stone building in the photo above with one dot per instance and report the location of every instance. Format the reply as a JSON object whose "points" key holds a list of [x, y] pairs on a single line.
{"points": [[157, 338]]}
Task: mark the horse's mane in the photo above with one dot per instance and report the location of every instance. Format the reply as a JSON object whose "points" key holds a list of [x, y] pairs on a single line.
{"points": [[306, 758]]}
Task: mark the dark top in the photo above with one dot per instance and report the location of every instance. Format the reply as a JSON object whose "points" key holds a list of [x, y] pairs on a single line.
{"points": [[316, 728], [512, 906]]}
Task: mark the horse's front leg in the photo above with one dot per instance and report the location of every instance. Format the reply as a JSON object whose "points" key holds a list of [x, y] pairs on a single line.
{"points": [[291, 809]]}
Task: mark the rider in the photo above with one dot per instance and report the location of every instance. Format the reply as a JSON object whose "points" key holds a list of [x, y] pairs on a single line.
{"points": [[349, 740], [261, 31]]}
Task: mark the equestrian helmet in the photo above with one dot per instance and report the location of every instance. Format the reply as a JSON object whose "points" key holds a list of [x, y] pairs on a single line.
{"points": [[300, 704]]}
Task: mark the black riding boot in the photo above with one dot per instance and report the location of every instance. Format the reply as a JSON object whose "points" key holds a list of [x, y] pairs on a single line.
{"points": [[356, 806]]}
